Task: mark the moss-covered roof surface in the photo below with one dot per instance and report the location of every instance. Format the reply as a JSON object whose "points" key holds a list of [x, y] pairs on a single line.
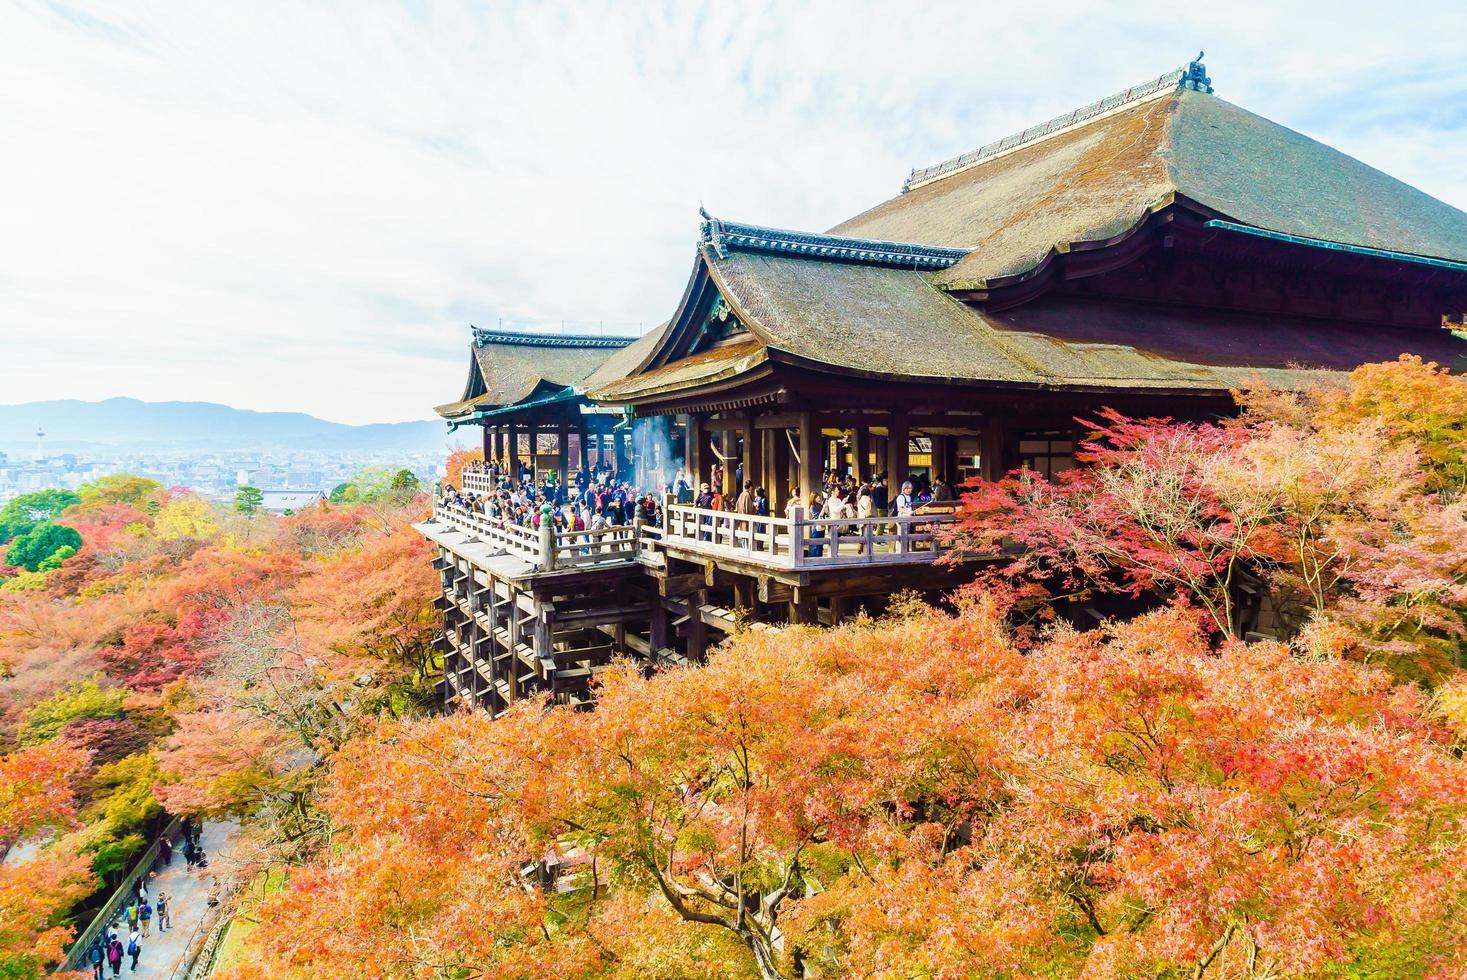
{"points": [[1099, 179]]}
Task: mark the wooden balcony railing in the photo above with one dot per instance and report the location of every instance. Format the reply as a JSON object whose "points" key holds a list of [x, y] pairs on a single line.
{"points": [[779, 542], [545, 548], [771, 542], [477, 482]]}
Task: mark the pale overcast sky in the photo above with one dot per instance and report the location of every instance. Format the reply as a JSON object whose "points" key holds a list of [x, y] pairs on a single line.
{"points": [[303, 205]]}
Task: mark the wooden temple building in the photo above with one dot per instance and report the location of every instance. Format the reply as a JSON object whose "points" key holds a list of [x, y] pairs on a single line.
{"points": [[1149, 252]]}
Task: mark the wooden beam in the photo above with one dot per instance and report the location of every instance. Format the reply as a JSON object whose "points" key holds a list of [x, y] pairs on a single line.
{"points": [[772, 591]]}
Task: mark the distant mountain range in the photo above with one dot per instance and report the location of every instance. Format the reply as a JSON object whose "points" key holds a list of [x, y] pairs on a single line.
{"points": [[72, 425]]}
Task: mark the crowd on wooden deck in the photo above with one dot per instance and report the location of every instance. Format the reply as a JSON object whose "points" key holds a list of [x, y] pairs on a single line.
{"points": [[602, 498]]}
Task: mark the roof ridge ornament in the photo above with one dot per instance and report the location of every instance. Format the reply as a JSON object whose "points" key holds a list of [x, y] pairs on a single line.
{"points": [[730, 236], [1196, 77], [1193, 76]]}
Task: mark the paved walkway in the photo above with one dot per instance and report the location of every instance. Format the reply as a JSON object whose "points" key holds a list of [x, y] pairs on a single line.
{"points": [[188, 893]]}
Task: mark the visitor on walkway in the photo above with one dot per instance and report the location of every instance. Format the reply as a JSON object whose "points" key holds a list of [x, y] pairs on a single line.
{"points": [[165, 850], [135, 948], [97, 957], [114, 955], [145, 916], [163, 922], [188, 850]]}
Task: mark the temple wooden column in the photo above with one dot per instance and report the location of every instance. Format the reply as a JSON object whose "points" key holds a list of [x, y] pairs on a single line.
{"points": [[860, 448], [562, 453], [584, 454], [991, 449], [753, 453], [514, 450], [897, 435], [534, 433], [728, 457], [695, 455], [810, 457]]}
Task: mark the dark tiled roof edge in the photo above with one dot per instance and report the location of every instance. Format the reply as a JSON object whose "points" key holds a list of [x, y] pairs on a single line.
{"points": [[483, 337], [726, 236]]}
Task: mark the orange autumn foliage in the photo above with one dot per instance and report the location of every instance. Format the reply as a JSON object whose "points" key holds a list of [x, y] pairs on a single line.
{"points": [[912, 797], [36, 796]]}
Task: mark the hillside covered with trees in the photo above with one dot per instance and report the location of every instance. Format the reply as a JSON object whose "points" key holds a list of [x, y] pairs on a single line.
{"points": [[997, 787], [161, 651]]}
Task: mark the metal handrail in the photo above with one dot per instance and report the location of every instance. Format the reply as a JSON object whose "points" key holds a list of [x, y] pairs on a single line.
{"points": [[76, 955]]}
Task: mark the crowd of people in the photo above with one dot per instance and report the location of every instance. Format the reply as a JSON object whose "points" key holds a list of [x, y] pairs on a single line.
{"points": [[591, 501], [124, 937], [603, 498]]}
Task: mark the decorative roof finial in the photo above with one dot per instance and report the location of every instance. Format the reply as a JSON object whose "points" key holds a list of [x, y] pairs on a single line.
{"points": [[709, 231], [1195, 77]]}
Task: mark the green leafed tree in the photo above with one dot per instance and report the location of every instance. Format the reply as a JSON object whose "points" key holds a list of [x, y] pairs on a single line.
{"points": [[343, 493], [38, 544], [25, 512], [248, 500]]}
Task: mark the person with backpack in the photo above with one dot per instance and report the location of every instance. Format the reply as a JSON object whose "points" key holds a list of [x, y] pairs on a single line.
{"points": [[97, 957], [145, 916], [114, 955], [135, 948], [163, 922]]}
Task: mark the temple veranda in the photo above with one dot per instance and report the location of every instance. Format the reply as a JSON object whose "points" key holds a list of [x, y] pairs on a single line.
{"points": [[1150, 252]]}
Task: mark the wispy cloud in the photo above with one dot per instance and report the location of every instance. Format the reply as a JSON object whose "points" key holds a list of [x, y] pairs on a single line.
{"points": [[302, 205]]}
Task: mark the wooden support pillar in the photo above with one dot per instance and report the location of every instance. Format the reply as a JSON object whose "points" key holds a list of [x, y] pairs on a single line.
{"points": [[659, 635], [516, 636], [897, 467], [860, 448], [585, 450], [534, 433], [514, 450], [753, 453], [493, 615], [728, 456], [802, 607], [991, 449], [562, 453], [837, 609], [486, 436], [810, 456], [697, 629], [697, 457], [780, 466]]}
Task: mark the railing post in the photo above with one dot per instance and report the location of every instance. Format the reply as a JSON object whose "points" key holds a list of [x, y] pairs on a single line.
{"points": [[547, 538], [797, 534]]}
